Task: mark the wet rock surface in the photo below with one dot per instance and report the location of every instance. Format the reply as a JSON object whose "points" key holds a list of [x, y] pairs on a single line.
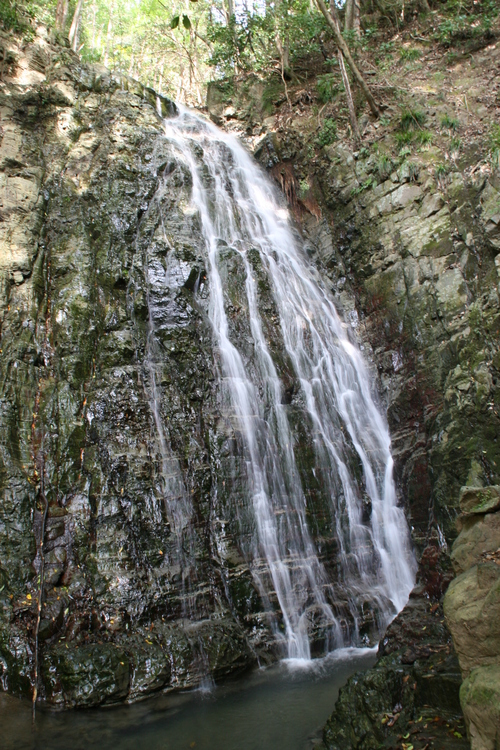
{"points": [[102, 341], [412, 695], [127, 537], [410, 245], [472, 609]]}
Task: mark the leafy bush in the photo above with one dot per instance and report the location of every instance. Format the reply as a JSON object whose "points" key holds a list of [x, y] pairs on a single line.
{"points": [[327, 134], [450, 123], [423, 137], [327, 87], [15, 17], [409, 54], [411, 119], [403, 139]]}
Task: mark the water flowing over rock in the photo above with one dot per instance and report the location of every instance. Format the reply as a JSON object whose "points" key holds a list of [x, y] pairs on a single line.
{"points": [[250, 247], [177, 385]]}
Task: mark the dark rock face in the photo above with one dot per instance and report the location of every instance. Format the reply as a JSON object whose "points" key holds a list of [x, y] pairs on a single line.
{"points": [[412, 693], [102, 341], [125, 523], [413, 259]]}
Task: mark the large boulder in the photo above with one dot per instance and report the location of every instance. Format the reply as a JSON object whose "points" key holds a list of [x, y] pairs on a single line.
{"points": [[472, 611], [478, 541], [474, 500], [480, 698]]}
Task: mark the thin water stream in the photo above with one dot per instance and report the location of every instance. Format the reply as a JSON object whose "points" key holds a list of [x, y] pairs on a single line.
{"points": [[283, 707]]}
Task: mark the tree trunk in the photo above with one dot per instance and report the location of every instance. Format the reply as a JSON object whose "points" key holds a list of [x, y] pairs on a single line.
{"points": [[282, 36], [61, 14], [332, 21], [75, 26], [350, 104], [348, 12], [108, 37], [356, 17]]}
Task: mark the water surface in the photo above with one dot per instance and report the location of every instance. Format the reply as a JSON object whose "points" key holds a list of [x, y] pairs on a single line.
{"points": [[283, 707]]}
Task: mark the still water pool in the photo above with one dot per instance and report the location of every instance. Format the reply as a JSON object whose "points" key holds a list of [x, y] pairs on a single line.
{"points": [[282, 707]]}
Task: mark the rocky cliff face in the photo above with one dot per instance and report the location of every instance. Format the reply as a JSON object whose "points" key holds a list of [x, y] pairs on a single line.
{"points": [[92, 288], [97, 348], [125, 521], [409, 239]]}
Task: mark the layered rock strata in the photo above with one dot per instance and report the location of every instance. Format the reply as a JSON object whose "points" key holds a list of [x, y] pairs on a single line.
{"points": [[132, 599], [472, 610]]}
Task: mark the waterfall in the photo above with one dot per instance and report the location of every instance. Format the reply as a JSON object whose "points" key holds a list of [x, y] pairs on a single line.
{"points": [[239, 211]]}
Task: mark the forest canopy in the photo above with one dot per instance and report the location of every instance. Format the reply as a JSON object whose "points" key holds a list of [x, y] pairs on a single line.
{"points": [[178, 46]]}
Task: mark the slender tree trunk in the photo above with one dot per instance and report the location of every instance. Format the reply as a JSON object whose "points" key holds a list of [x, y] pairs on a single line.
{"points": [[356, 17], [75, 26], [61, 14], [350, 103], [348, 15], [108, 37], [283, 38], [332, 21], [94, 15]]}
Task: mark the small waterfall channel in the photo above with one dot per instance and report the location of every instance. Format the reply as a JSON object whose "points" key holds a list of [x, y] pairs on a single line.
{"points": [[240, 212]]}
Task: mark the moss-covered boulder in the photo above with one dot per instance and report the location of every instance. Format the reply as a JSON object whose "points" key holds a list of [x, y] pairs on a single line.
{"points": [[86, 675], [480, 698]]}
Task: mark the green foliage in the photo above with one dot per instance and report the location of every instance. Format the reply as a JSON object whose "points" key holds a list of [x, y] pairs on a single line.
{"points": [[303, 188], [250, 42], [495, 146], [455, 144], [384, 166], [409, 54], [467, 22], [366, 185], [327, 134], [495, 136], [424, 137], [273, 93], [384, 57], [411, 119], [450, 123], [327, 87], [403, 139], [16, 17]]}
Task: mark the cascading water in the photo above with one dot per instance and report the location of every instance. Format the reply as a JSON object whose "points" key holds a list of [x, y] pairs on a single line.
{"points": [[239, 210]]}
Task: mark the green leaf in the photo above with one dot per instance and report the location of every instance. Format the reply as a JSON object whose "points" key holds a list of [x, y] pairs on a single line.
{"points": [[186, 22], [174, 22]]}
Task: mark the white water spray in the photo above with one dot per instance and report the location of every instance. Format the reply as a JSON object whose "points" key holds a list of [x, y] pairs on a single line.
{"points": [[239, 209]]}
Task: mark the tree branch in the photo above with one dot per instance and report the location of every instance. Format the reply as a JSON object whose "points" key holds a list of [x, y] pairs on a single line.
{"points": [[341, 44]]}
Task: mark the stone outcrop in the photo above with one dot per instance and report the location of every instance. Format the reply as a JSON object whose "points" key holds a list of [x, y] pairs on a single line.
{"points": [[127, 533], [410, 245], [409, 240], [134, 600], [472, 609]]}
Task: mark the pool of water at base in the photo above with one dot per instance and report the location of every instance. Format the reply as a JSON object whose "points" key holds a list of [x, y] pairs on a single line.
{"points": [[282, 707]]}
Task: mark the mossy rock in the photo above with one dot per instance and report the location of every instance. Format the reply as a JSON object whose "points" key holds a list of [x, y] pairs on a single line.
{"points": [[86, 675], [480, 698], [479, 499]]}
